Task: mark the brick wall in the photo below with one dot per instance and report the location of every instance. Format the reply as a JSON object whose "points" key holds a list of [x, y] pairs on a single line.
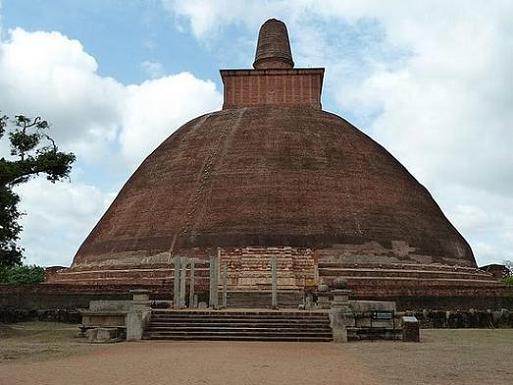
{"points": [[250, 267], [250, 88]]}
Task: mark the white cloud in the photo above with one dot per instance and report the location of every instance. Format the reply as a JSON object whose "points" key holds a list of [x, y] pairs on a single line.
{"points": [[155, 108], [486, 218], [431, 80], [100, 119], [207, 17], [48, 74], [153, 69], [59, 217]]}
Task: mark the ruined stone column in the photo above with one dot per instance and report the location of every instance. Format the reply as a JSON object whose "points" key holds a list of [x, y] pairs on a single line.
{"points": [[183, 279], [216, 280], [225, 285], [211, 282], [274, 279], [176, 283], [341, 314], [138, 314], [191, 284]]}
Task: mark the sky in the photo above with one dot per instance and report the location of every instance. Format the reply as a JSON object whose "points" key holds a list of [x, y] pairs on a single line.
{"points": [[431, 81]]}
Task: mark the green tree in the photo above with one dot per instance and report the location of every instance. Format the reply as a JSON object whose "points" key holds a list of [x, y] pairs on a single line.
{"points": [[33, 153]]}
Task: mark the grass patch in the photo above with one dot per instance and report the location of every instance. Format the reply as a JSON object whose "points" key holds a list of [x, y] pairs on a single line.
{"points": [[39, 341]]}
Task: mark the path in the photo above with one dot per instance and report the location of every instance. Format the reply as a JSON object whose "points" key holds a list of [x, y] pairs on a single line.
{"points": [[213, 363]]}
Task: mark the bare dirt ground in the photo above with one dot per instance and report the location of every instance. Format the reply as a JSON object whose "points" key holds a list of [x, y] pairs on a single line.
{"points": [[43, 353]]}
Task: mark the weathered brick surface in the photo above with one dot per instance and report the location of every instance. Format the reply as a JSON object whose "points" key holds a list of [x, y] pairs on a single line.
{"points": [[273, 174], [277, 87], [250, 267]]}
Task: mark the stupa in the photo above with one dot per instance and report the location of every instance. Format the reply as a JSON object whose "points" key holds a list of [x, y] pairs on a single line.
{"points": [[273, 175]]}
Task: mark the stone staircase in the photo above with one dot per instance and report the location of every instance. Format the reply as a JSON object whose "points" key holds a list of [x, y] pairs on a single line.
{"points": [[239, 325], [287, 299]]}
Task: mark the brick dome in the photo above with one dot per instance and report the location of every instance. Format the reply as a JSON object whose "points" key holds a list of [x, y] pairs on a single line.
{"points": [[274, 176]]}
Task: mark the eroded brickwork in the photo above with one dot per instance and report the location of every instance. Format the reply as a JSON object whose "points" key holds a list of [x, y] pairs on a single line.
{"points": [[278, 87], [249, 268], [273, 169]]}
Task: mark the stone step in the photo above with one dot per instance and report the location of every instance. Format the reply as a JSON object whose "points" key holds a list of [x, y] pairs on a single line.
{"points": [[291, 321], [218, 314], [175, 321], [283, 333], [241, 338], [239, 329], [239, 325], [424, 281], [235, 318], [401, 266], [263, 299], [336, 272]]}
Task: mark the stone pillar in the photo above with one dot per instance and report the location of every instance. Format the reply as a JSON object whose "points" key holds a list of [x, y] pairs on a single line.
{"points": [[140, 295], [225, 285], [191, 284], [274, 279], [323, 296], [216, 278], [212, 283], [340, 313], [138, 315], [183, 279], [176, 283]]}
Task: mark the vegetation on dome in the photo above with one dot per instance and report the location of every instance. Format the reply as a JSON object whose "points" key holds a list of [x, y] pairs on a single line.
{"points": [[508, 279]]}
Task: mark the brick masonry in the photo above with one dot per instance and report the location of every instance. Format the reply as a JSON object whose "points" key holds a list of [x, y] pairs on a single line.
{"points": [[249, 268], [277, 87], [273, 175]]}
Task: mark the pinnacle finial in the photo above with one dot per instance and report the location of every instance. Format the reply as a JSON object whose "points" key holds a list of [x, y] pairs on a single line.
{"points": [[273, 47]]}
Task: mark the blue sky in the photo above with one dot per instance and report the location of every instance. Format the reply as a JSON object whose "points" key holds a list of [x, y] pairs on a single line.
{"points": [[119, 34], [117, 77]]}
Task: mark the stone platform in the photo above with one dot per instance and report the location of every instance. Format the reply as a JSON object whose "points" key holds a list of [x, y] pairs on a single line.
{"points": [[366, 280]]}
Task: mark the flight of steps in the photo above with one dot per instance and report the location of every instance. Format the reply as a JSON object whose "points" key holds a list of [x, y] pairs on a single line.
{"points": [[239, 325], [287, 299]]}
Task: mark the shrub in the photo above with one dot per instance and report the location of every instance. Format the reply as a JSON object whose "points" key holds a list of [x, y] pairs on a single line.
{"points": [[22, 274], [509, 280]]}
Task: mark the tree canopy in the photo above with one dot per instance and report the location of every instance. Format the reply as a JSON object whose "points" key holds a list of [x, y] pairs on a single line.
{"points": [[32, 152]]}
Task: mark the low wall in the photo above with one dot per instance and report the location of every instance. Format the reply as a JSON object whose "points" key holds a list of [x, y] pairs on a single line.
{"points": [[12, 315], [60, 301], [447, 302], [464, 319], [62, 296]]}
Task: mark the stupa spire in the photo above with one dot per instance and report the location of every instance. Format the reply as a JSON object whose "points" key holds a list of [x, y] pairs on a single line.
{"points": [[273, 47]]}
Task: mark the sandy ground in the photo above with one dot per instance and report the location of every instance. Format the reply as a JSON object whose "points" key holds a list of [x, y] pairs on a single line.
{"points": [[53, 357]]}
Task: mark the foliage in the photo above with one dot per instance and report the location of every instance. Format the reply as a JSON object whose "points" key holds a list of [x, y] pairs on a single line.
{"points": [[10, 253], [22, 274], [508, 279], [33, 152]]}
